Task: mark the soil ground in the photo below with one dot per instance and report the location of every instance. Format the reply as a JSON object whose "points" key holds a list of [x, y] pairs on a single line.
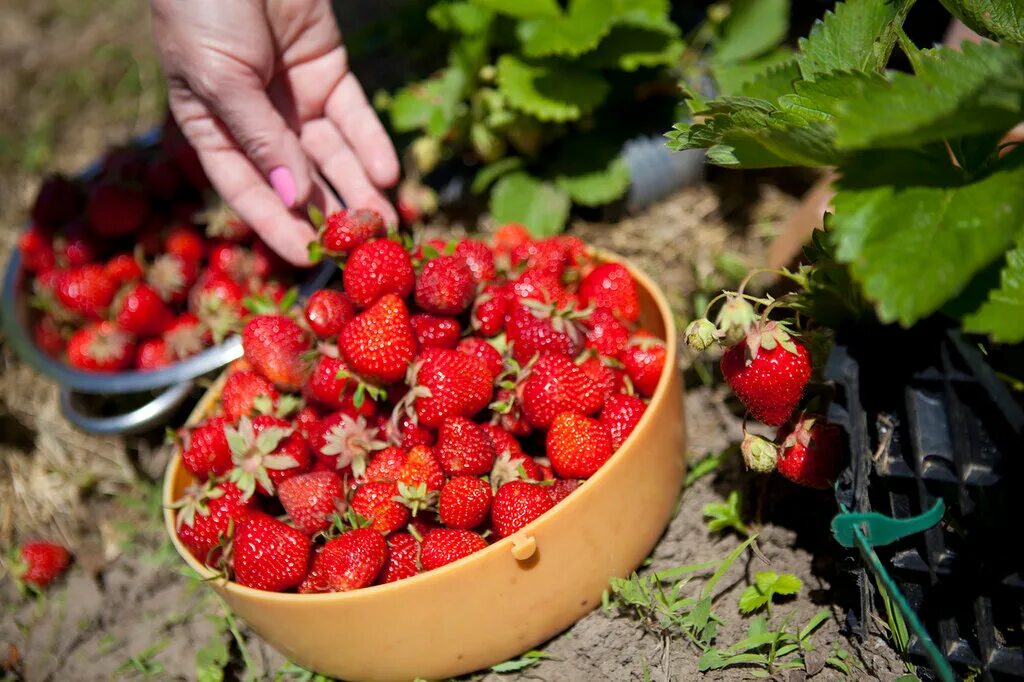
{"points": [[75, 81]]}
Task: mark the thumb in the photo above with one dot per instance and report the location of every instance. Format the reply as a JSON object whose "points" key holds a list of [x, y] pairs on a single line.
{"points": [[263, 135]]}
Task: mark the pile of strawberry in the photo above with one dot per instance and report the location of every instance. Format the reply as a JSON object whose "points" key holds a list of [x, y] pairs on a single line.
{"points": [[135, 269], [450, 394]]}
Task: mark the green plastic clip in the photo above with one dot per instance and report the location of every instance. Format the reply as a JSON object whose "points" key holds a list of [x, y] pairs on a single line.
{"points": [[879, 529]]}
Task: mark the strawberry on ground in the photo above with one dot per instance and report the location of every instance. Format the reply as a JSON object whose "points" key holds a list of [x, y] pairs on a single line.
{"points": [[464, 502], [268, 554], [348, 562], [442, 546], [312, 499], [39, 562], [768, 372], [516, 504], [810, 452], [577, 446]]}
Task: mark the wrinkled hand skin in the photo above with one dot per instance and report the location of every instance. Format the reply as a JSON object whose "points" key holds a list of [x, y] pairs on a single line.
{"points": [[257, 85]]}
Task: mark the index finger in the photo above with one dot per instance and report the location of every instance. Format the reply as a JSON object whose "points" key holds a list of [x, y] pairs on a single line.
{"points": [[349, 109]]}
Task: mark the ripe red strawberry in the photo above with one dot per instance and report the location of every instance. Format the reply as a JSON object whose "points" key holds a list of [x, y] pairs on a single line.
{"points": [[77, 246], [275, 345], [39, 563], [378, 343], [556, 384], [207, 515], [386, 465], [48, 336], [376, 501], [644, 359], [445, 286], [36, 249], [241, 389], [231, 260], [479, 258], [307, 419], [610, 285], [516, 504], [463, 448], [58, 202], [217, 300], [606, 334], [345, 441], [509, 236], [464, 502], [484, 351], [410, 433], [186, 242], [490, 310], [327, 312], [577, 446], [123, 268], [347, 229], [768, 372], [535, 327], [621, 414], [269, 555], [422, 467], [116, 210], [265, 451], [539, 285], [432, 331], [550, 255], [329, 385], [403, 558], [502, 440], [561, 488], [163, 179], [348, 562], [86, 290], [312, 499], [141, 311], [205, 450], [602, 375], [447, 383], [810, 452], [101, 347], [444, 545], [185, 336], [377, 268], [172, 277]]}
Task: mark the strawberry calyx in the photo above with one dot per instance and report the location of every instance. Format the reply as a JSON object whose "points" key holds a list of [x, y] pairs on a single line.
{"points": [[352, 441], [265, 305], [195, 500], [253, 456], [416, 497], [108, 344], [167, 276], [505, 470], [510, 383], [342, 522], [363, 388], [801, 434], [565, 319], [768, 335], [220, 317], [286, 405], [185, 341]]}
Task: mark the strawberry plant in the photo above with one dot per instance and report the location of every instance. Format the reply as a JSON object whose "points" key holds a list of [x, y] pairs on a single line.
{"points": [[928, 212], [538, 99]]}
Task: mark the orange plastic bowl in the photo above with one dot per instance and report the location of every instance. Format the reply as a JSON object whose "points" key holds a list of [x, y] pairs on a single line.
{"points": [[503, 600]]}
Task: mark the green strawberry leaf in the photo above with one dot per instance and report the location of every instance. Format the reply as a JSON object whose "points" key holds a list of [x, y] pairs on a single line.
{"points": [[590, 169], [766, 77], [858, 34], [486, 176], [430, 105], [212, 659], [550, 90], [523, 9], [577, 31], [766, 585], [949, 228], [520, 198], [752, 28], [1000, 20], [954, 93], [462, 17], [1002, 315], [637, 41]]}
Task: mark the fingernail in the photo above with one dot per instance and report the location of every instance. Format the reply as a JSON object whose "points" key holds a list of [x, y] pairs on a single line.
{"points": [[284, 184]]}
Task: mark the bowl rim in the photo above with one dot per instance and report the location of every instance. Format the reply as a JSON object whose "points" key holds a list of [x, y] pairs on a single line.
{"points": [[503, 545], [14, 318]]}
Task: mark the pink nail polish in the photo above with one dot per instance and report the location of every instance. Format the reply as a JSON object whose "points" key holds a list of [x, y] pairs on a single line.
{"points": [[284, 184]]}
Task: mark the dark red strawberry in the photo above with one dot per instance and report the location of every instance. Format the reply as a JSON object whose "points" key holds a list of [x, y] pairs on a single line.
{"points": [[163, 179], [442, 546], [124, 268], [275, 345], [556, 385], [483, 351], [185, 242], [312, 499], [377, 501], [205, 450], [445, 286], [58, 202], [610, 285], [403, 558], [643, 360], [810, 452], [516, 504], [36, 249], [379, 343], [39, 563], [768, 372], [101, 347], [463, 448], [116, 210], [464, 502], [141, 311], [77, 245], [561, 488], [48, 336], [432, 331], [621, 414], [577, 446], [269, 555], [327, 312], [348, 562], [86, 290], [377, 268]]}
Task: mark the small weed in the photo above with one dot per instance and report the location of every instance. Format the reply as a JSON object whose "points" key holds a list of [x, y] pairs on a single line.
{"points": [[725, 515], [766, 585], [143, 663], [292, 672], [527, 660], [707, 465]]}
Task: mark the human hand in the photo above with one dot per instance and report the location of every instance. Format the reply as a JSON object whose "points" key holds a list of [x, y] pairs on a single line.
{"points": [[262, 90]]}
